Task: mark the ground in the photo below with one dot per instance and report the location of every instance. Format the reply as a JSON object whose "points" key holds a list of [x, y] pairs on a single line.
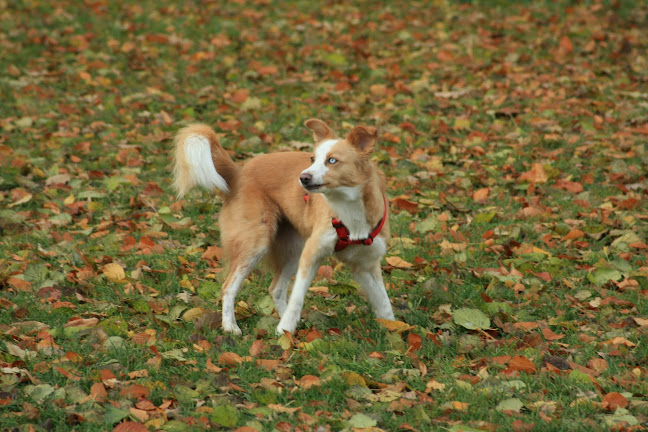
{"points": [[514, 139]]}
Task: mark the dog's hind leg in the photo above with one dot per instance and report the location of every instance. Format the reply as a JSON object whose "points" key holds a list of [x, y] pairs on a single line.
{"points": [[247, 230], [239, 270], [284, 260]]}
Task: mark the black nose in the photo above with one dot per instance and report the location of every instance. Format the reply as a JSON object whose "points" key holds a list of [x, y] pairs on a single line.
{"points": [[305, 178]]}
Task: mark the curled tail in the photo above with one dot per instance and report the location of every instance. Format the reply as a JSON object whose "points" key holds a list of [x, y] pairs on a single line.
{"points": [[200, 160]]}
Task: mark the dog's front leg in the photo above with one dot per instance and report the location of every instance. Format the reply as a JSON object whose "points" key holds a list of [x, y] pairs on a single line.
{"points": [[308, 264], [372, 284]]}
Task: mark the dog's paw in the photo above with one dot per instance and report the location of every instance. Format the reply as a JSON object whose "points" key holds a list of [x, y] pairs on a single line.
{"points": [[286, 326], [232, 327]]}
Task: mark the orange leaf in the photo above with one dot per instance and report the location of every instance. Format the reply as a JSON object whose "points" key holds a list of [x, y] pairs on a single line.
{"points": [[445, 56], [403, 204], [597, 364], [135, 391], [257, 347], [398, 262], [130, 426], [569, 186], [240, 95], [566, 46], [395, 326], [211, 367], [268, 70], [414, 341], [283, 409], [574, 234], [614, 400], [481, 195], [268, 364], [551, 336], [19, 284], [308, 381], [230, 359], [522, 364], [536, 174], [213, 253]]}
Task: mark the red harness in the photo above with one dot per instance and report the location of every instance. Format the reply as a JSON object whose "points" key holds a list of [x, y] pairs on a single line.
{"points": [[343, 232]]}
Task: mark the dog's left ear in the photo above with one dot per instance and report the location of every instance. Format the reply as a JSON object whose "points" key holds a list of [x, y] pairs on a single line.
{"points": [[363, 139]]}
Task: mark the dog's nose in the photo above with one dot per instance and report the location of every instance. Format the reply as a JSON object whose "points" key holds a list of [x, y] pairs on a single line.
{"points": [[305, 178]]}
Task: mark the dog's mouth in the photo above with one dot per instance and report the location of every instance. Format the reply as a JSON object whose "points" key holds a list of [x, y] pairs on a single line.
{"points": [[313, 187]]}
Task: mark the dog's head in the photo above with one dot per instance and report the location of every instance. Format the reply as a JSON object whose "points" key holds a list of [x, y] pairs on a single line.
{"points": [[338, 164]]}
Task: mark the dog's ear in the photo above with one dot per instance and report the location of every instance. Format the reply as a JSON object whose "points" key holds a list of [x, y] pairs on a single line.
{"points": [[321, 131], [363, 139]]}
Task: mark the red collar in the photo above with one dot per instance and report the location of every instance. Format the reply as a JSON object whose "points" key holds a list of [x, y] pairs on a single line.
{"points": [[343, 232]]}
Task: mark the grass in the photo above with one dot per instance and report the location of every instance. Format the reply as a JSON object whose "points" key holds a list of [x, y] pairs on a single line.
{"points": [[513, 139]]}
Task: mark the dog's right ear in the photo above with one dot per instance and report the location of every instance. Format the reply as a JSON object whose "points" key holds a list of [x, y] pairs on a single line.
{"points": [[321, 131]]}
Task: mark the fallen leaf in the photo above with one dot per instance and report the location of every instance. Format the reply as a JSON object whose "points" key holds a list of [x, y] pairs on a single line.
{"points": [[114, 272], [614, 400]]}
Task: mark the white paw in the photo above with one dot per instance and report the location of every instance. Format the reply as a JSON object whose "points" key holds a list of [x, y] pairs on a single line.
{"points": [[286, 325], [388, 315], [232, 327]]}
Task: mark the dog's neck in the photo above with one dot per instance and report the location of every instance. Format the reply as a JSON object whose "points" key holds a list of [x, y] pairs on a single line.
{"points": [[353, 206]]}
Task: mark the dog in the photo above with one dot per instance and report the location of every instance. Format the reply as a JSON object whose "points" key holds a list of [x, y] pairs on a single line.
{"points": [[295, 209]]}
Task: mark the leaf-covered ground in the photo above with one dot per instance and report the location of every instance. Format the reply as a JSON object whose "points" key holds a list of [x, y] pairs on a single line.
{"points": [[515, 143]]}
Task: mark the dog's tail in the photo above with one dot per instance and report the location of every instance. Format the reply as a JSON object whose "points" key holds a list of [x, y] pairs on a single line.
{"points": [[200, 160]]}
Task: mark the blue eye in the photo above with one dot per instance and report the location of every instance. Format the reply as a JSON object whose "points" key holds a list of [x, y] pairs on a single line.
{"points": [[332, 160]]}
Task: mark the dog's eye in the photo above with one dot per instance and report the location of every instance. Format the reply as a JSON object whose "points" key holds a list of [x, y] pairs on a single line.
{"points": [[332, 160], [312, 159]]}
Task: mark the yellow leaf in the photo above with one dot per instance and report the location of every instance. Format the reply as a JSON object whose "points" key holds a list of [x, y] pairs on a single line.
{"points": [[114, 272], [398, 262], [434, 385], [353, 378], [283, 409], [193, 313], [26, 198], [395, 326]]}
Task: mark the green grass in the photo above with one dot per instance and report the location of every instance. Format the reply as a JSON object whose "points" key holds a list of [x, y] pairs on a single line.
{"points": [[467, 96]]}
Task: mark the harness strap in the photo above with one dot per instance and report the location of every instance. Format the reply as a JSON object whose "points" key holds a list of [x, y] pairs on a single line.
{"points": [[343, 232]]}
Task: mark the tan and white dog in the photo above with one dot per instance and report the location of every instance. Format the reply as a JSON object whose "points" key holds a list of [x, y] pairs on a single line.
{"points": [[294, 208]]}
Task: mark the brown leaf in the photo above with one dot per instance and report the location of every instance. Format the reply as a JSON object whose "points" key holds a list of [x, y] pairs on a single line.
{"points": [[19, 284], [403, 204], [395, 326], [519, 426], [597, 364], [445, 56], [211, 367], [569, 186], [550, 335], [574, 234], [283, 409], [522, 364], [398, 262], [130, 426], [308, 381], [257, 347], [414, 341], [614, 400], [98, 392], [230, 359], [113, 272], [536, 174], [135, 391], [213, 253], [481, 195], [566, 46]]}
